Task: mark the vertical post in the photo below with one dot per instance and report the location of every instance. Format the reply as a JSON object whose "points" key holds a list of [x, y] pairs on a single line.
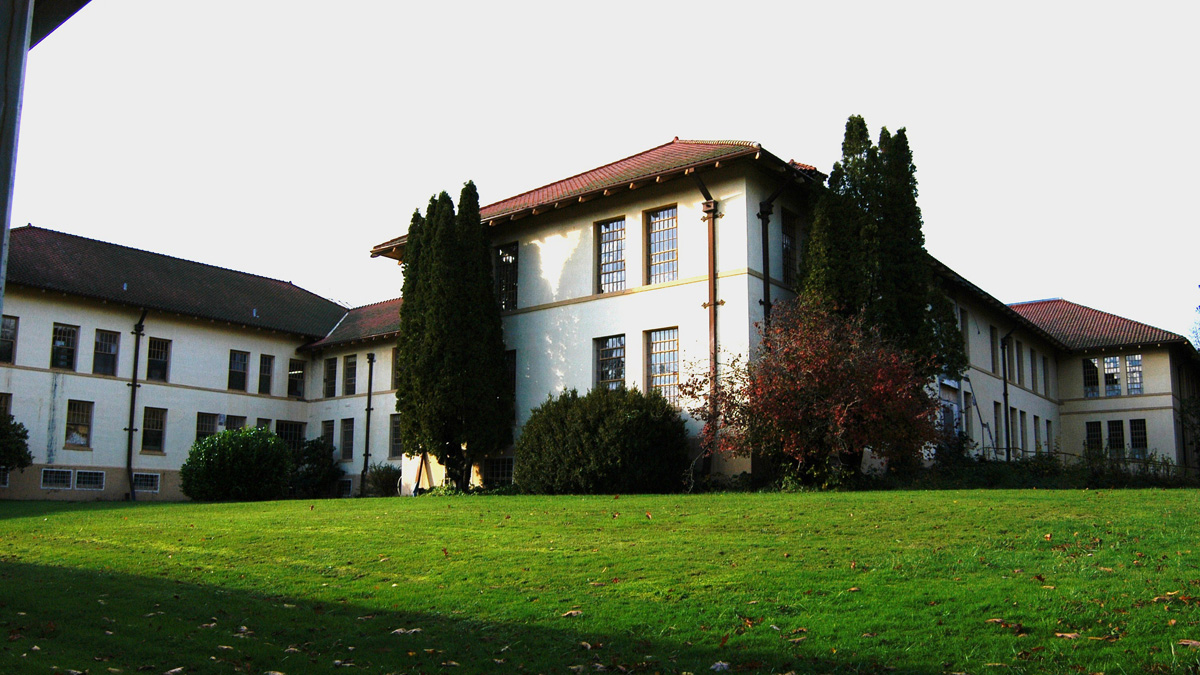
{"points": [[16, 17], [138, 332], [362, 482]]}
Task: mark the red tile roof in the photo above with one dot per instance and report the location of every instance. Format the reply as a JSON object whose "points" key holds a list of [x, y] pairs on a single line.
{"points": [[56, 261], [1080, 327], [377, 320]]}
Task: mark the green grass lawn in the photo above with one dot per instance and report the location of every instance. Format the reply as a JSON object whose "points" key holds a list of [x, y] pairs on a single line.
{"points": [[919, 582]]}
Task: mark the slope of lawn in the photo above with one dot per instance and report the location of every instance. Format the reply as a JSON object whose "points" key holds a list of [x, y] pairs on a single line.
{"points": [[921, 582]]}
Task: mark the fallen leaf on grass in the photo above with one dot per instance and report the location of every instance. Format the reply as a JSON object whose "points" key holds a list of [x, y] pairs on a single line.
{"points": [[1190, 643], [1171, 622], [573, 612], [1105, 569], [451, 664], [406, 631], [798, 640], [853, 589], [175, 671], [870, 634], [1067, 636]]}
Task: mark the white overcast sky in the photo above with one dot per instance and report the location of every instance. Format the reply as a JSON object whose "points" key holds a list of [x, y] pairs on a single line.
{"points": [[1055, 143]]}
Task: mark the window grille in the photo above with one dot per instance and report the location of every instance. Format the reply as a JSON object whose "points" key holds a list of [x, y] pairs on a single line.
{"points": [[292, 433], [611, 255], [610, 362], [347, 439], [506, 276], [56, 479], [206, 425], [327, 431], [349, 375], [89, 480], [1112, 376], [266, 369], [1133, 373], [79, 424], [62, 348], [1093, 440], [345, 487], [1116, 438], [497, 471], [330, 377], [296, 378], [145, 482], [1091, 379], [663, 362], [154, 425], [235, 422], [8, 339], [395, 442], [1138, 441], [5, 404], [158, 359], [239, 365], [263, 423], [104, 356], [663, 248]]}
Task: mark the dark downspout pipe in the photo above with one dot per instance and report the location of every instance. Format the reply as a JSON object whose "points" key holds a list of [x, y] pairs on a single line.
{"points": [[1007, 422], [710, 217], [138, 332], [362, 483], [765, 209]]}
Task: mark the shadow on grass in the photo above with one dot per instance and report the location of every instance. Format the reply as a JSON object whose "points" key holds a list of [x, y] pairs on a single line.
{"points": [[59, 619]]}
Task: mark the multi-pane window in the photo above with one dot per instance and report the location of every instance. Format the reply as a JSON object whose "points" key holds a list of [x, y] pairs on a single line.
{"points": [[1133, 373], [662, 362], [89, 480], [1037, 433], [1138, 442], [145, 482], [266, 369], [497, 471], [158, 359], [347, 439], [1049, 434], [206, 425], [395, 443], [79, 424], [1033, 378], [104, 356], [791, 248], [1091, 378], [395, 368], [506, 276], [610, 251], [1093, 440], [239, 365], [5, 404], [349, 375], [296, 378], [1046, 379], [235, 422], [610, 362], [1112, 376], [56, 479], [154, 427], [327, 431], [662, 260], [8, 339], [330, 377], [263, 423], [292, 433], [1116, 438], [62, 346]]}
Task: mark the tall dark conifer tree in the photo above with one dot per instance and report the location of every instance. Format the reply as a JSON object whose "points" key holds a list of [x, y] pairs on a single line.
{"points": [[451, 390]]}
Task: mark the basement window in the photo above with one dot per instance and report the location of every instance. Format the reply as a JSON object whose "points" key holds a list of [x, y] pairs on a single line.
{"points": [[89, 480], [56, 479], [145, 482]]}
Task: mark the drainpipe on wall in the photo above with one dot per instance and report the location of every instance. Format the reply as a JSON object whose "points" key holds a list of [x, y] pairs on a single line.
{"points": [[710, 217], [138, 332], [1007, 422], [362, 484], [765, 209]]}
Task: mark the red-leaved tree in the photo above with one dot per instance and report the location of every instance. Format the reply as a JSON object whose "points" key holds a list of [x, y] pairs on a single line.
{"points": [[822, 390]]}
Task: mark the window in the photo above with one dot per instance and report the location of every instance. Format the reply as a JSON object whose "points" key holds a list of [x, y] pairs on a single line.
{"points": [[395, 367], [158, 359], [1091, 379], [145, 482], [1037, 434], [349, 375], [206, 425], [5, 404], [506, 276], [56, 479], [1138, 442], [610, 362], [1033, 378], [994, 348], [327, 431], [3, 478], [330, 377], [1112, 376], [967, 414], [345, 488], [266, 369], [1020, 363], [1046, 380], [1049, 435], [347, 439], [1116, 438], [89, 480], [8, 339], [662, 362], [263, 423], [1133, 374], [235, 422], [791, 248], [295, 378], [497, 471], [662, 246], [610, 252], [79, 424], [239, 365], [1024, 431], [1092, 440], [997, 416], [292, 433], [62, 346], [154, 426], [395, 443], [104, 357]]}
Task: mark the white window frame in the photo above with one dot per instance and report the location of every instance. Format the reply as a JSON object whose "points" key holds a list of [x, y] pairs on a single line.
{"points": [[141, 488]]}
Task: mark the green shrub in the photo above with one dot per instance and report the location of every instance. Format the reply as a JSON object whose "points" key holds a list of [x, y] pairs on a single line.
{"points": [[14, 444], [315, 472], [383, 480], [240, 464], [607, 441]]}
